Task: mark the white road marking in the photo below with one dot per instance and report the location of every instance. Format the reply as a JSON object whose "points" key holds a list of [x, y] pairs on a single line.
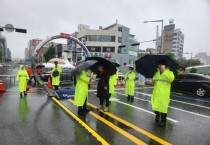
{"points": [[119, 89], [177, 101], [113, 99], [144, 110], [173, 107]]}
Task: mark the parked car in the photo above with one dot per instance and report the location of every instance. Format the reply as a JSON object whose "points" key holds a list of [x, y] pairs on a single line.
{"points": [[197, 84]]}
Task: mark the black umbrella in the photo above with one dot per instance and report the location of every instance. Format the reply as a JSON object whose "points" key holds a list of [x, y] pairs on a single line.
{"points": [[108, 66], [40, 66], [148, 64], [116, 64], [82, 66]]}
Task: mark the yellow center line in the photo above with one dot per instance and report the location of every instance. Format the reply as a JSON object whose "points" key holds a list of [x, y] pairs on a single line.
{"points": [[121, 131], [161, 141], [88, 128]]}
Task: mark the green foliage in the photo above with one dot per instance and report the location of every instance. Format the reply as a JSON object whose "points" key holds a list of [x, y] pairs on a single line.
{"points": [[193, 70], [49, 54], [209, 73], [188, 62], [199, 72], [171, 55]]}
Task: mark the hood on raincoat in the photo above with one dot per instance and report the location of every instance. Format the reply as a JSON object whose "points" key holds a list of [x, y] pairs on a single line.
{"points": [[21, 66]]}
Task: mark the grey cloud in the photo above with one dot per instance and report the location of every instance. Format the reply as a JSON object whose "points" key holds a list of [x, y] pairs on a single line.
{"points": [[43, 18]]}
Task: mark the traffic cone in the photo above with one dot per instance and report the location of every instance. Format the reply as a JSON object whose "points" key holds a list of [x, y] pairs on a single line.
{"points": [[2, 89], [49, 85], [121, 83]]}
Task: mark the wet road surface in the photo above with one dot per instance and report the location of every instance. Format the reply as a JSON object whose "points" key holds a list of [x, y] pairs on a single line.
{"points": [[36, 119]]}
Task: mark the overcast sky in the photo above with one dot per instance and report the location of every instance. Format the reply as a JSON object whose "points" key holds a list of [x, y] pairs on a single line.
{"points": [[44, 18]]}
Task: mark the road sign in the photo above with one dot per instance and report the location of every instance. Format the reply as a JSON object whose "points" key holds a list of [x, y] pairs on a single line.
{"points": [[9, 27]]}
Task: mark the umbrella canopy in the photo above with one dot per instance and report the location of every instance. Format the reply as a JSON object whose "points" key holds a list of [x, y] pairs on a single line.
{"points": [[67, 64], [48, 65], [82, 66], [148, 64], [116, 64], [108, 66], [40, 66], [60, 61]]}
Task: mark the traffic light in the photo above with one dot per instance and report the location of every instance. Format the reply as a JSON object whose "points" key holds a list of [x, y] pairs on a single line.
{"points": [[20, 30]]}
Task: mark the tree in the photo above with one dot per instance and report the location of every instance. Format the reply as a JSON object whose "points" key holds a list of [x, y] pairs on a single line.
{"points": [[188, 62], [209, 73], [193, 70], [171, 55], [49, 54]]}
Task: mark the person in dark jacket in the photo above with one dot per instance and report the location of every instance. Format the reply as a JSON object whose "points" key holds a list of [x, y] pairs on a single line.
{"points": [[103, 87]]}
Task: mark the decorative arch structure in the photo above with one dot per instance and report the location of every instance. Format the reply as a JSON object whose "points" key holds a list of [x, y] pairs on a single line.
{"points": [[38, 48]]}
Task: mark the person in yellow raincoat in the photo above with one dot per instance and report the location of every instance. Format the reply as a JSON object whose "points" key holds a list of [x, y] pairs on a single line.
{"points": [[130, 77], [56, 75], [22, 77], [81, 92], [161, 93], [112, 83]]}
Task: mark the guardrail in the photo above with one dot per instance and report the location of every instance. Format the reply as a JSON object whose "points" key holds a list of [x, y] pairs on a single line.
{"points": [[10, 77]]}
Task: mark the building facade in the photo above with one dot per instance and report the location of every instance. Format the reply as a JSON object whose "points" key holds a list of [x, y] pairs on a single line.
{"points": [[178, 43], [173, 41], [104, 42], [8, 55], [32, 44], [3, 48]]}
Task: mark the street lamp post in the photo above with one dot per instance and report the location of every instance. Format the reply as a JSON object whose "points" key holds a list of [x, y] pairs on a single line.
{"points": [[162, 37], [135, 44]]}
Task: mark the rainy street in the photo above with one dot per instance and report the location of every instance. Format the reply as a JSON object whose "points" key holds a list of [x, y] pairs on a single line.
{"points": [[37, 119]]}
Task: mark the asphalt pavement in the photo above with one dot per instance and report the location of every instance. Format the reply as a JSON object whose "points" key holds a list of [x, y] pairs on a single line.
{"points": [[39, 120]]}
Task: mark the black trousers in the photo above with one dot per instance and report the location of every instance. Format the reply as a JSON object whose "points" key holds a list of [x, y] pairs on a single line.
{"points": [[55, 87], [84, 107], [162, 115], [101, 99], [85, 104]]}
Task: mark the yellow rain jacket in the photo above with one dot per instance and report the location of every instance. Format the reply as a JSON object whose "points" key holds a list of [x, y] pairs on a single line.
{"points": [[56, 79], [22, 77], [112, 82], [161, 93], [81, 89], [130, 77]]}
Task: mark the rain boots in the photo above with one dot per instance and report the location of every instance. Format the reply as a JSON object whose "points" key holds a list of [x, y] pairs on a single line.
{"points": [[80, 111], [163, 116], [25, 94], [157, 117], [85, 108], [163, 120], [130, 98]]}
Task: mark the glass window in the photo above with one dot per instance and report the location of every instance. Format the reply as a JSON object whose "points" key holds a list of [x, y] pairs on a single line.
{"points": [[191, 77], [120, 39], [120, 29], [180, 76]]}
